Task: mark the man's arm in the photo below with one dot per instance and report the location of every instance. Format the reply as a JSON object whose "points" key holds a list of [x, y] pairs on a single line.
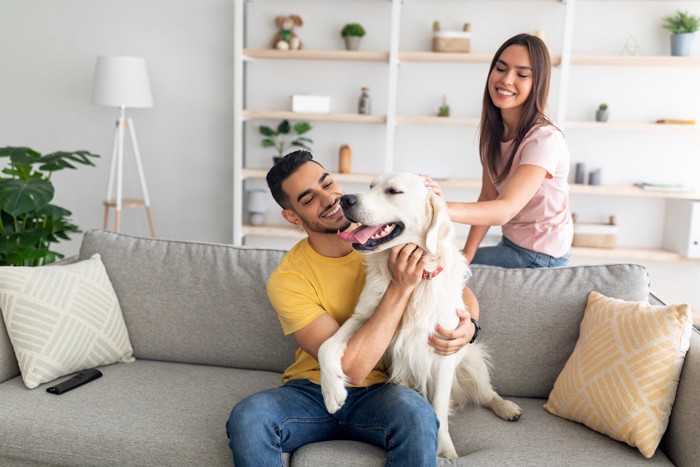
{"points": [[371, 340]]}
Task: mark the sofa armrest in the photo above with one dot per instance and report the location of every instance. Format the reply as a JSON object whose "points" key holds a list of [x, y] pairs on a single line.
{"points": [[680, 443]]}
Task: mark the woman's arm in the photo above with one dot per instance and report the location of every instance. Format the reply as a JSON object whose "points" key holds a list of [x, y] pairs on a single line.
{"points": [[497, 209]]}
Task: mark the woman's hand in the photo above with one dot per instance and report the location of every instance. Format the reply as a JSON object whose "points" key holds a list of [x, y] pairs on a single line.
{"points": [[446, 342], [432, 185]]}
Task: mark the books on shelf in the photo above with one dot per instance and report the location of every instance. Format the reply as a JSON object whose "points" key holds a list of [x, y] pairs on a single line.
{"points": [[676, 187]]}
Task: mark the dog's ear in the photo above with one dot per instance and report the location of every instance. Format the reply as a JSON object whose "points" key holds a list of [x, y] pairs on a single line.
{"points": [[440, 224], [297, 20], [279, 20]]}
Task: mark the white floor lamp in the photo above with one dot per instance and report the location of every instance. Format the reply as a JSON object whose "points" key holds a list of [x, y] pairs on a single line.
{"points": [[123, 82]]}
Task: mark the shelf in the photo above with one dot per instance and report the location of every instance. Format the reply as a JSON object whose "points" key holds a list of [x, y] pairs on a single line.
{"points": [[575, 189], [629, 126], [628, 254], [316, 117], [444, 57], [636, 60], [342, 55], [436, 121]]}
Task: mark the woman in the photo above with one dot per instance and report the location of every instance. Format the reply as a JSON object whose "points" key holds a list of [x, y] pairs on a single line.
{"points": [[525, 166]]}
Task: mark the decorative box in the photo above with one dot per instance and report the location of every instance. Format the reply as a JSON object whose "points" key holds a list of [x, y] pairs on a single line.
{"points": [[311, 104], [451, 41], [595, 235]]}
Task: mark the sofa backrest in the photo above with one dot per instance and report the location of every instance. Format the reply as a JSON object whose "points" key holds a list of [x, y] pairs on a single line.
{"points": [[530, 318], [194, 302]]}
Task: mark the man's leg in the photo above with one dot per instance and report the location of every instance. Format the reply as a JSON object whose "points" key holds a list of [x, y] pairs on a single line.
{"points": [[269, 423], [395, 418]]}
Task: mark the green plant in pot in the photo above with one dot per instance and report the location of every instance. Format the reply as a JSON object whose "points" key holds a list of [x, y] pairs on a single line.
{"points": [[285, 136], [683, 27], [602, 114], [29, 223], [352, 33]]}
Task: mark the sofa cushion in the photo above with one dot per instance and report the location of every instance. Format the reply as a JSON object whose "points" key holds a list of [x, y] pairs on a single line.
{"points": [[195, 302], [143, 413], [483, 439], [62, 319], [530, 318], [622, 377]]}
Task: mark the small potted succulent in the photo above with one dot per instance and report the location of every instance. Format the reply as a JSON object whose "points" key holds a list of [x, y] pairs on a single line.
{"points": [[444, 109], [352, 32], [602, 113], [683, 27], [285, 136]]}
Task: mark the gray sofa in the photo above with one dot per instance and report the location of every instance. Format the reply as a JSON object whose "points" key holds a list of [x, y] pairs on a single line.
{"points": [[205, 336]]}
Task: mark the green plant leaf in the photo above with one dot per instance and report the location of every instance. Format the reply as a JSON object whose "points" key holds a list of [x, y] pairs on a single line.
{"points": [[20, 155], [283, 127], [302, 127], [59, 160], [18, 197], [267, 143], [267, 131]]}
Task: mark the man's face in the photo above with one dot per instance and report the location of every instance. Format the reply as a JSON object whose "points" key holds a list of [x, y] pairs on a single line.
{"points": [[314, 198]]}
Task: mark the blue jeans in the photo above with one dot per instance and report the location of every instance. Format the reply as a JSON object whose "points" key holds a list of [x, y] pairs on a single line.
{"points": [[509, 255], [397, 419]]}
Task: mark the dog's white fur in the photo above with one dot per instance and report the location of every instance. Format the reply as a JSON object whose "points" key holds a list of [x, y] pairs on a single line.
{"points": [[445, 381]]}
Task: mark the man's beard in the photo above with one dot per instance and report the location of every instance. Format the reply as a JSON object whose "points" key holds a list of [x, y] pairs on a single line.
{"points": [[317, 227]]}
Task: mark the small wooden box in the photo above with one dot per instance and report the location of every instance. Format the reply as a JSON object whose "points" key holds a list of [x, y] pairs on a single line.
{"points": [[451, 41], [595, 235]]}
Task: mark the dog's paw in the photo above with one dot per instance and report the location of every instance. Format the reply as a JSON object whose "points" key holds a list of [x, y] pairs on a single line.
{"points": [[446, 448], [508, 410], [334, 393], [447, 452]]}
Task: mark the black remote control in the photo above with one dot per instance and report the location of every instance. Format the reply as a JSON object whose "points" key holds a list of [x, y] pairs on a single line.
{"points": [[77, 380]]}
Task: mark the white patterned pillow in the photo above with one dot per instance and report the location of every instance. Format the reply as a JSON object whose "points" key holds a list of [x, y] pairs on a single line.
{"points": [[62, 319]]}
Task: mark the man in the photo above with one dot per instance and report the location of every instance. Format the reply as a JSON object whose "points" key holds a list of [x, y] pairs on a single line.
{"points": [[314, 290]]}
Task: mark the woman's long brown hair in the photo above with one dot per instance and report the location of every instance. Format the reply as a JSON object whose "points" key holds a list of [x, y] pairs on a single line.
{"points": [[533, 111]]}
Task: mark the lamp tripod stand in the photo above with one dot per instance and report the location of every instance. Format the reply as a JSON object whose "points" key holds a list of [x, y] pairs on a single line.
{"points": [[116, 170]]}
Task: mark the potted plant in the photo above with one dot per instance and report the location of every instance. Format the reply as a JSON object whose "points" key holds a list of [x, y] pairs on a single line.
{"points": [[602, 113], [352, 32], [29, 224], [444, 109], [281, 138], [683, 27]]}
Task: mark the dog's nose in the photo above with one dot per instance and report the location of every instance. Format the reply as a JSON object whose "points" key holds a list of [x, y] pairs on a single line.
{"points": [[347, 201]]}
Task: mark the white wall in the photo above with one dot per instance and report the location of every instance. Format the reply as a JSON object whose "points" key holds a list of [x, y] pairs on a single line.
{"points": [[48, 51]]}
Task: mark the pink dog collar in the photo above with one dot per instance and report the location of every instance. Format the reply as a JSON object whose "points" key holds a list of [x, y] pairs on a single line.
{"points": [[429, 275]]}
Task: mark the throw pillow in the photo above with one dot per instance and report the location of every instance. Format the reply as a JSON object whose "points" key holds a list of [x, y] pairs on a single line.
{"points": [[622, 376], [62, 319]]}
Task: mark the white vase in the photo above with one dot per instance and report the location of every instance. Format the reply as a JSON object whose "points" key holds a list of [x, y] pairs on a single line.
{"points": [[681, 44]]}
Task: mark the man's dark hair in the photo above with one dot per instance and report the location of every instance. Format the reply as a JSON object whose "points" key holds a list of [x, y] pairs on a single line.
{"points": [[282, 170]]}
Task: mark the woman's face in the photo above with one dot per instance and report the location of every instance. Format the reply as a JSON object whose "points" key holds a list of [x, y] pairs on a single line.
{"points": [[510, 81]]}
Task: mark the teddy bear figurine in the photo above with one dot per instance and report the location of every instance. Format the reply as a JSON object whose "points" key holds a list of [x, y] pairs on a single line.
{"points": [[286, 38]]}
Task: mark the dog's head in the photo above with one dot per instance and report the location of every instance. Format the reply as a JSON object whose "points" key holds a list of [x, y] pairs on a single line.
{"points": [[397, 209]]}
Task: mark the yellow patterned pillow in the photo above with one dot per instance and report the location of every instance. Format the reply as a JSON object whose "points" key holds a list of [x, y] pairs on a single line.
{"points": [[622, 376]]}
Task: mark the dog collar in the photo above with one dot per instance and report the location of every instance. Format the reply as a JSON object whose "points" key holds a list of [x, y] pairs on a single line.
{"points": [[429, 275]]}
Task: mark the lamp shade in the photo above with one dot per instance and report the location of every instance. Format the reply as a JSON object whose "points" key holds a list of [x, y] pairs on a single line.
{"points": [[121, 82]]}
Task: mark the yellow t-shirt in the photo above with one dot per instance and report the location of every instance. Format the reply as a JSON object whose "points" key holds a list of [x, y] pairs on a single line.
{"points": [[303, 287]]}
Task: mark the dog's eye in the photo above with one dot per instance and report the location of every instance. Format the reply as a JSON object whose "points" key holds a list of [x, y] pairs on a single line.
{"points": [[392, 191]]}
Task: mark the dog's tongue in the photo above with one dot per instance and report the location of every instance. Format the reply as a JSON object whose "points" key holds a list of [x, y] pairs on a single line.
{"points": [[359, 235]]}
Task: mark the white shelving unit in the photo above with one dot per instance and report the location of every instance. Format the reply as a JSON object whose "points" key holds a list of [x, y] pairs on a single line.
{"points": [[390, 121]]}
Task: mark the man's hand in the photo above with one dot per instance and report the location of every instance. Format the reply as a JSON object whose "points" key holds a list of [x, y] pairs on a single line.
{"points": [[446, 342], [406, 264]]}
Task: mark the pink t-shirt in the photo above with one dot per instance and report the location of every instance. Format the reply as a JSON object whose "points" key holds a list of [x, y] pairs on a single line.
{"points": [[544, 224]]}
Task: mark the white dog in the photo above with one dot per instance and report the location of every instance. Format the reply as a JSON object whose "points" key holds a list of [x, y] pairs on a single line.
{"points": [[400, 209]]}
